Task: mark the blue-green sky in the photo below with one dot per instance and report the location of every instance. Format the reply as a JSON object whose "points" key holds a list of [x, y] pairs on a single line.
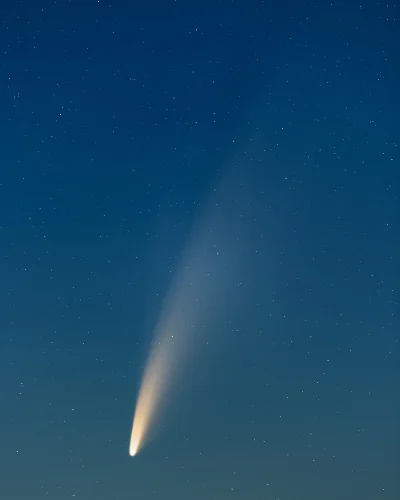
{"points": [[117, 119]]}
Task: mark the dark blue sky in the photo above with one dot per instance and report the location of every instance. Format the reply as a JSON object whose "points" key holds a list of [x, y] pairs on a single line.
{"points": [[117, 119]]}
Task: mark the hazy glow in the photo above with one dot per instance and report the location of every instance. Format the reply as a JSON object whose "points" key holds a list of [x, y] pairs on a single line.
{"points": [[149, 398], [167, 354], [197, 296]]}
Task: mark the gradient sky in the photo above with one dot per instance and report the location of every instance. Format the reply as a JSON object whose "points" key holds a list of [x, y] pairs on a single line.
{"points": [[117, 120]]}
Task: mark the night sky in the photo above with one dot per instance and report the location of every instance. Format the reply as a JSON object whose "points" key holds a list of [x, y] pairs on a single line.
{"points": [[119, 123]]}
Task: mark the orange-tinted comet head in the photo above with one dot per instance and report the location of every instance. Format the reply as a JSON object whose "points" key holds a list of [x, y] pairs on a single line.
{"points": [[151, 391]]}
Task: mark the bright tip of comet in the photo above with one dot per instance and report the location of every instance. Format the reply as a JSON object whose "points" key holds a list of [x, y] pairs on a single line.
{"points": [[133, 449]]}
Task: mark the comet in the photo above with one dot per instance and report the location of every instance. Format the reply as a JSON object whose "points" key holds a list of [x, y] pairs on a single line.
{"points": [[149, 398], [170, 347], [197, 294], [150, 395]]}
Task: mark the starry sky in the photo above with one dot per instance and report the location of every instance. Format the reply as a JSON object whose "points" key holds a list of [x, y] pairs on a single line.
{"points": [[118, 119]]}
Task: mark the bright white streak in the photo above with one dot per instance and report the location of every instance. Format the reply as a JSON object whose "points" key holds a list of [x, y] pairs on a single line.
{"points": [[149, 395], [156, 377], [167, 354], [199, 290]]}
